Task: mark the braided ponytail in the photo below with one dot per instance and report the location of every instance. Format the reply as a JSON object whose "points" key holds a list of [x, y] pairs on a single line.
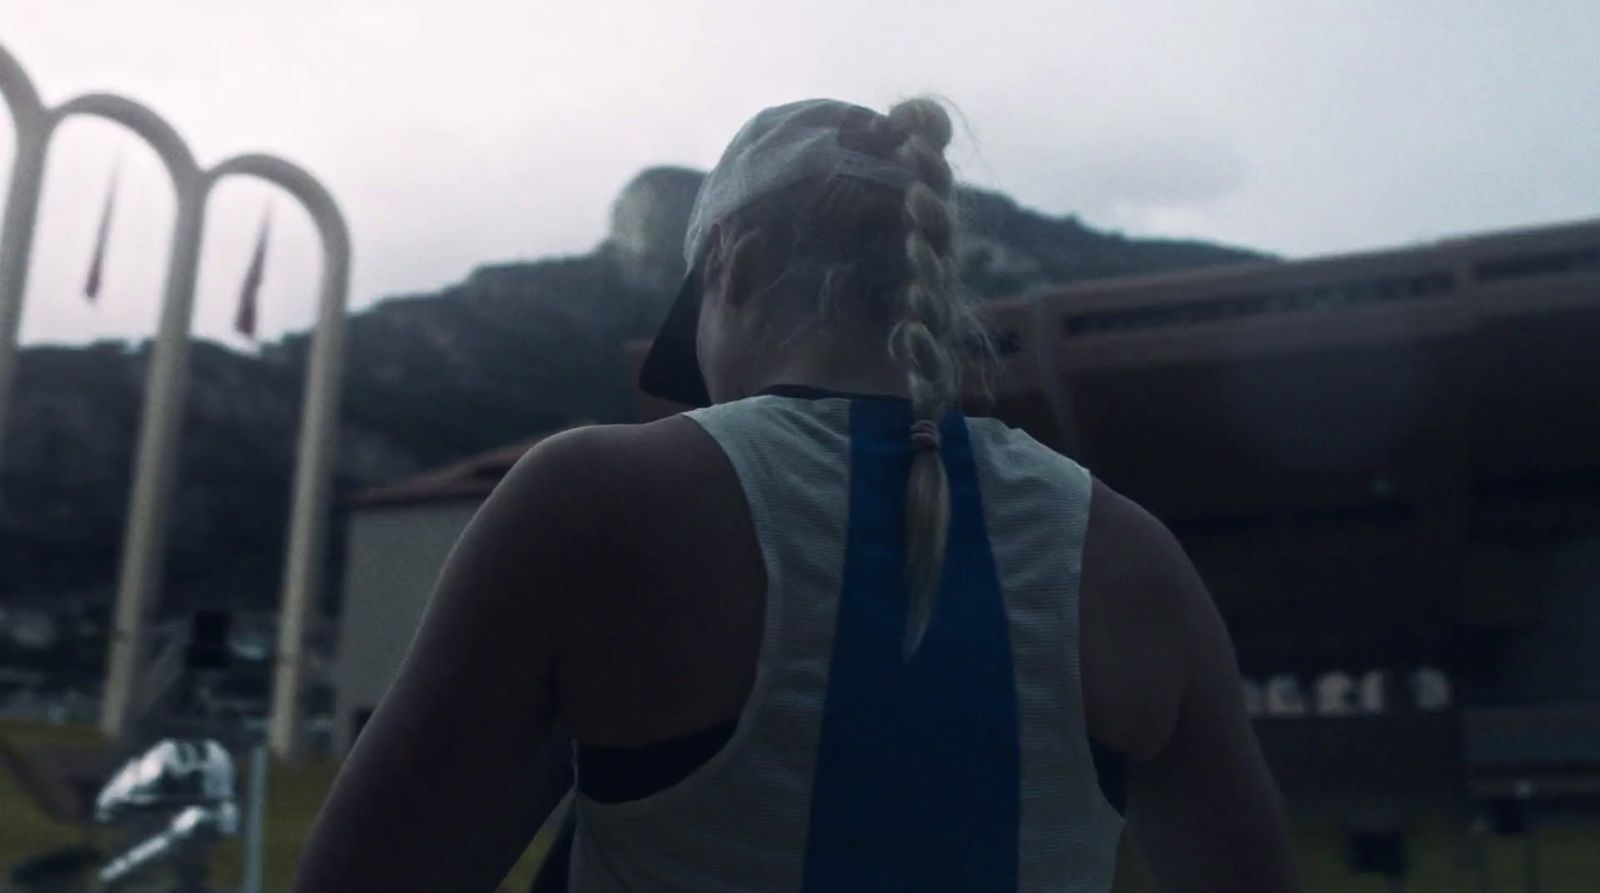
{"points": [[870, 259], [939, 319]]}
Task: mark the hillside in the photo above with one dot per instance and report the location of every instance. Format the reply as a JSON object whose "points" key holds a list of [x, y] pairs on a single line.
{"points": [[514, 349]]}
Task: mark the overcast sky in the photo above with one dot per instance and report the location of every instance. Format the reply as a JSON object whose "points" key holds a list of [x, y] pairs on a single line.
{"points": [[458, 133]]}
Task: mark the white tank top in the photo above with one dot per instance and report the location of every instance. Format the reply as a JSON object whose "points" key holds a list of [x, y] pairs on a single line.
{"points": [[967, 768]]}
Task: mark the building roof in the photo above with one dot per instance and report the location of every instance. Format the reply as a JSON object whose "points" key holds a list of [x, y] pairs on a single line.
{"points": [[471, 479], [1349, 382]]}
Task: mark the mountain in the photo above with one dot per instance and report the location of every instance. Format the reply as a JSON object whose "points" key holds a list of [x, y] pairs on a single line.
{"points": [[514, 349]]}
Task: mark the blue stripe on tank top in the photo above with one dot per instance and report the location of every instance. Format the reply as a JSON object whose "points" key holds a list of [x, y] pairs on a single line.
{"points": [[916, 785]]}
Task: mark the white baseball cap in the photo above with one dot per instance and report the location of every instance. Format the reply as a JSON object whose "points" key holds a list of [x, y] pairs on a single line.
{"points": [[778, 148]]}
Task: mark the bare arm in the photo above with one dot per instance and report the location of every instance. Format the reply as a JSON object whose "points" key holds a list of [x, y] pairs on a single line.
{"points": [[457, 767], [1162, 685]]}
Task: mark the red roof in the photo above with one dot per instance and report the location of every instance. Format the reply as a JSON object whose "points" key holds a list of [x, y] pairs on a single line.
{"points": [[470, 479]]}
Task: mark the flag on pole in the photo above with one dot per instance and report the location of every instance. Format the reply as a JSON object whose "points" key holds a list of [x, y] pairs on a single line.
{"points": [[91, 286], [245, 320]]}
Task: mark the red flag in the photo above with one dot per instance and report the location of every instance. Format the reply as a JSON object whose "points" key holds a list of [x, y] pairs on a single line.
{"points": [[245, 321], [91, 287]]}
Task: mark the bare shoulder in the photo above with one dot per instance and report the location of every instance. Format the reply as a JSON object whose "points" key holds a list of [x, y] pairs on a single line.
{"points": [[675, 583], [675, 452], [626, 488], [1141, 606], [572, 515], [1126, 543], [567, 497], [1161, 684], [600, 460], [569, 472], [660, 459]]}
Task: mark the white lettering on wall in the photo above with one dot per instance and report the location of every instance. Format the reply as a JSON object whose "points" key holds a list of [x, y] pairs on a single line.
{"points": [[1284, 696], [1431, 690], [1374, 688], [1334, 694], [1337, 693]]}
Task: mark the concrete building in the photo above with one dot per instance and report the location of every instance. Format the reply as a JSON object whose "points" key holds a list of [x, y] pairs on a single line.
{"points": [[1381, 463], [1385, 465], [399, 538]]}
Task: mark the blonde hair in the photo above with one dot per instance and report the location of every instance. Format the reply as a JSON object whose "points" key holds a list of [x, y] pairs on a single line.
{"points": [[892, 259]]}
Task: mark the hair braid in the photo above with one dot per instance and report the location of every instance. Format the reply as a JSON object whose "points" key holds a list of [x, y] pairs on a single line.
{"points": [[926, 342], [857, 254]]}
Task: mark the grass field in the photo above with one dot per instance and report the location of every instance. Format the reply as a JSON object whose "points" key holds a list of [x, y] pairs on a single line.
{"points": [[293, 797], [1569, 857]]}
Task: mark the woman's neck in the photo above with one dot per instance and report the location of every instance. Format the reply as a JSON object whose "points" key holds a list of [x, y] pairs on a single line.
{"points": [[855, 368], [830, 379]]}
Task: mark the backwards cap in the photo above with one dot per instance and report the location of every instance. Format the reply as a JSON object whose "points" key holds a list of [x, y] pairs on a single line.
{"points": [[778, 148]]}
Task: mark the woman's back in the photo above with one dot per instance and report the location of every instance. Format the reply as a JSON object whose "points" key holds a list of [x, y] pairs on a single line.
{"points": [[968, 766], [804, 640]]}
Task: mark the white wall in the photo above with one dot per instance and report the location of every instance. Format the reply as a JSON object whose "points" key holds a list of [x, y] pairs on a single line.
{"points": [[394, 557]]}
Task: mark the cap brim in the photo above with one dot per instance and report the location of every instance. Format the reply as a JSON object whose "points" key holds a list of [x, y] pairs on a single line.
{"points": [[671, 369]]}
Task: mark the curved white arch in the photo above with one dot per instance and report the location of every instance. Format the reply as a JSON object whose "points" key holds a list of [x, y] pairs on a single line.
{"points": [[155, 457], [17, 89], [319, 418], [145, 534], [298, 182], [145, 123], [31, 121], [36, 125]]}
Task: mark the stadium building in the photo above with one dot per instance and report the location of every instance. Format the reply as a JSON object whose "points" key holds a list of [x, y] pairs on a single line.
{"points": [[1385, 465]]}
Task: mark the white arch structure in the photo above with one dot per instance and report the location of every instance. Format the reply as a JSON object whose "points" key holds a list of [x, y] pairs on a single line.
{"points": [[145, 535]]}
